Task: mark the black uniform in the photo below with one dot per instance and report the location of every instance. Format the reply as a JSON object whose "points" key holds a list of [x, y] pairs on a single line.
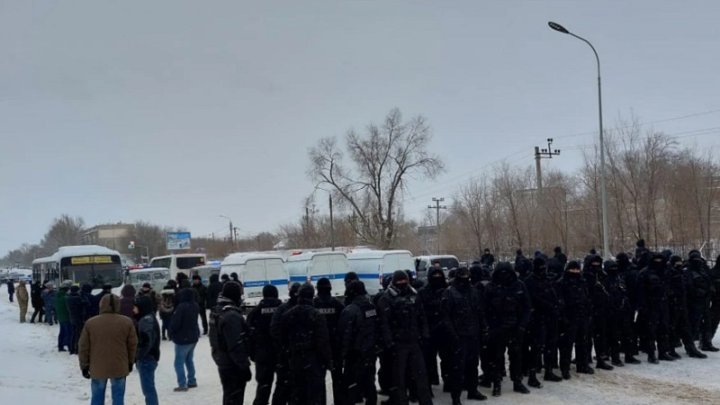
{"points": [[700, 291], [282, 393], [431, 298], [464, 319], [574, 320], [629, 273], [714, 274], [213, 291], [543, 320], [262, 347], [679, 331], [523, 265], [304, 334], [229, 336], [487, 259], [601, 312], [508, 307], [358, 332], [331, 308], [403, 324], [653, 311], [620, 315], [201, 298]]}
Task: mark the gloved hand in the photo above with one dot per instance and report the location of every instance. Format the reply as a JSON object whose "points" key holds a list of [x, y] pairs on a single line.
{"points": [[86, 373], [130, 366]]}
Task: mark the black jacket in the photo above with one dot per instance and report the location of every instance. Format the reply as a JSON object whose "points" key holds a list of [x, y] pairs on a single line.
{"points": [[77, 306], [276, 324], [402, 319], [652, 288], [617, 290], [304, 334], [184, 323], [262, 347], [36, 295], [213, 291], [229, 335], [507, 302], [330, 308], [463, 311], [148, 331], [358, 328], [544, 298], [201, 295], [575, 295], [431, 299]]}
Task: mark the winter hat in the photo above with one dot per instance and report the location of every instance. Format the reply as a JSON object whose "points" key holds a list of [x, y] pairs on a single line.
{"points": [[695, 255], [307, 292], [399, 275], [146, 285], [462, 272], [557, 249], [518, 252], [355, 289], [350, 277], [196, 277], [324, 284], [674, 259], [232, 291], [270, 291], [225, 277], [294, 289], [640, 243]]}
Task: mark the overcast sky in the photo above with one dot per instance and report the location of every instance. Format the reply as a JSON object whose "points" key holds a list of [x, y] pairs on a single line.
{"points": [[177, 111]]}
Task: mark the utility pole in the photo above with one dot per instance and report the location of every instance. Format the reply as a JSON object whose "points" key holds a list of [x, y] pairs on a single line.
{"points": [[437, 207], [543, 154]]}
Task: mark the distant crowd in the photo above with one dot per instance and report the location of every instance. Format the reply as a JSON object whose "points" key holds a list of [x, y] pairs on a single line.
{"points": [[545, 312]]}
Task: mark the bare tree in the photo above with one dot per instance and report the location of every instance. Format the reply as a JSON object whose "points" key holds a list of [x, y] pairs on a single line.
{"points": [[383, 159], [64, 231]]}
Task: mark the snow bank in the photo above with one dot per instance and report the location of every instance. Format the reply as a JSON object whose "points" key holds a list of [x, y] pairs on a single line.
{"points": [[32, 372]]}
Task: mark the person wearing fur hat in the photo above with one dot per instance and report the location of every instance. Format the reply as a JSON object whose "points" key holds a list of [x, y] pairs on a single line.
{"points": [[402, 325], [304, 333], [331, 308], [262, 348], [229, 339]]}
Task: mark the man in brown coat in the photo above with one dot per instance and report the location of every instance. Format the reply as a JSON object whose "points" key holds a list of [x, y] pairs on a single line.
{"points": [[107, 350], [22, 298]]}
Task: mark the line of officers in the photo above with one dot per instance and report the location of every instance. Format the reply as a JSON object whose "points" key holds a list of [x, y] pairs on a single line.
{"points": [[540, 312]]}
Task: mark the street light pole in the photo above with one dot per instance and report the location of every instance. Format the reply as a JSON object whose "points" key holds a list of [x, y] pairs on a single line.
{"points": [[603, 189], [232, 230]]}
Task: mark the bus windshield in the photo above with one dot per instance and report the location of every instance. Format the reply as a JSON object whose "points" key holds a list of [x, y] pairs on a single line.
{"points": [[186, 263], [95, 274]]}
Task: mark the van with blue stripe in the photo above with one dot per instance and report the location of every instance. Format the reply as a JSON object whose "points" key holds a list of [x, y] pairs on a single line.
{"points": [[372, 266], [312, 266], [255, 271]]}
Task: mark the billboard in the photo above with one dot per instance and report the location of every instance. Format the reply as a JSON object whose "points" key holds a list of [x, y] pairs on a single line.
{"points": [[178, 240]]}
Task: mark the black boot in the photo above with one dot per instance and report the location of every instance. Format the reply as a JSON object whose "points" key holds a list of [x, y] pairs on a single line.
{"points": [[616, 360], [693, 352], [585, 370], [708, 347], [484, 381], [602, 364], [456, 398], [533, 381], [652, 359], [550, 376], [519, 387], [630, 359], [476, 396], [566, 374], [664, 356], [497, 389], [675, 355]]}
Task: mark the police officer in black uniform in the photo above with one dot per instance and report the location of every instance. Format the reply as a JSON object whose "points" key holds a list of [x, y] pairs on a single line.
{"points": [[464, 319], [358, 332], [431, 298], [403, 324], [263, 348], [679, 330], [305, 335], [543, 323], [620, 316], [508, 315], [653, 311], [281, 396], [600, 313], [574, 320], [331, 308]]}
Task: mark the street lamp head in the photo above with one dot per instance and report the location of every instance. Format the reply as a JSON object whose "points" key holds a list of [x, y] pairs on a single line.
{"points": [[557, 27]]}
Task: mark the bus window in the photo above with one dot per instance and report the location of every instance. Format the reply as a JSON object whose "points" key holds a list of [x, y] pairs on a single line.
{"points": [[164, 262], [185, 263]]}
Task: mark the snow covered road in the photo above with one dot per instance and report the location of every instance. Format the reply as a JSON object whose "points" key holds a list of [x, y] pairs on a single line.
{"points": [[33, 372]]}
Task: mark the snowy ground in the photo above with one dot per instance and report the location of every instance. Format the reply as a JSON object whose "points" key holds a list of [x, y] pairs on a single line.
{"points": [[33, 372]]}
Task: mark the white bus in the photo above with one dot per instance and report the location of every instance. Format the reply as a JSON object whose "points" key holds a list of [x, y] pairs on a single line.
{"points": [[255, 271], [88, 264], [312, 266], [180, 263], [372, 266]]}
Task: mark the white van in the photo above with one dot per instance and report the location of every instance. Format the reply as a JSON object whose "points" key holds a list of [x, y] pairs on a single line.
{"points": [[180, 263], [206, 271], [372, 266], [255, 271], [156, 276], [312, 266], [424, 263]]}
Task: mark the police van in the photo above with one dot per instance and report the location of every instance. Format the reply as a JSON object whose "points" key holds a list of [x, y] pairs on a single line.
{"points": [[255, 271]]}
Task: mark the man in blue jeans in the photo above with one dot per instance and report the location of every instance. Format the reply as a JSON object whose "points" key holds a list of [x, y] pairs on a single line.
{"points": [[185, 333], [148, 351], [107, 349]]}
